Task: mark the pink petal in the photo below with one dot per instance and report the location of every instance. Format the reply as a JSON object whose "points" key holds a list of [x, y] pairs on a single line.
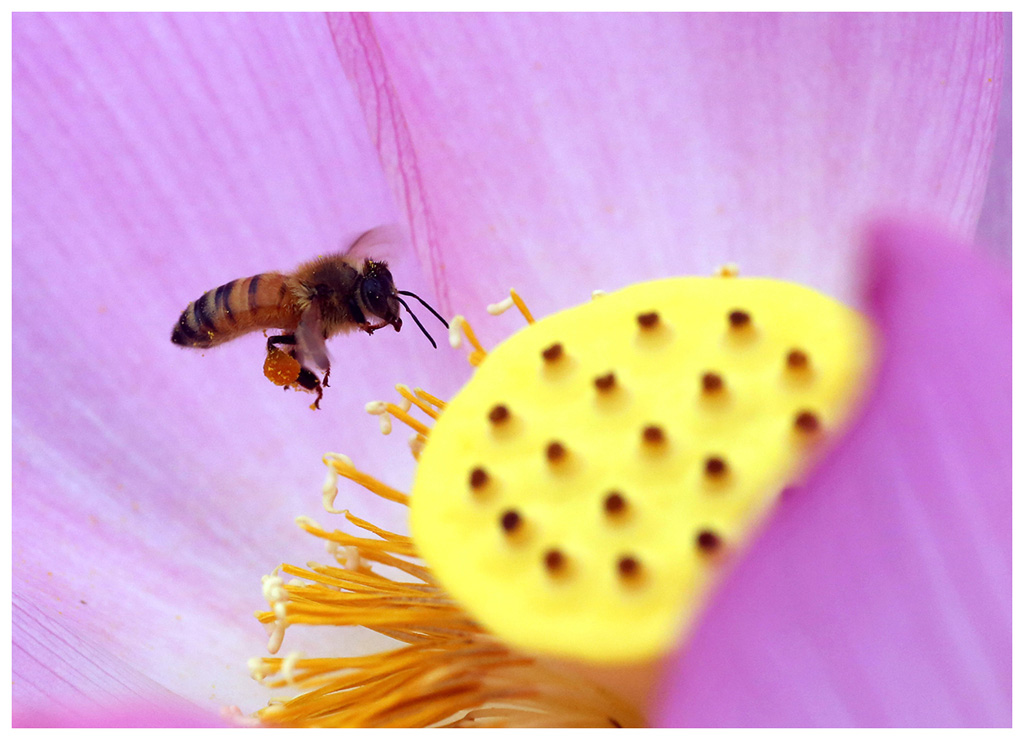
{"points": [[616, 148], [995, 222], [880, 593], [156, 157], [176, 714]]}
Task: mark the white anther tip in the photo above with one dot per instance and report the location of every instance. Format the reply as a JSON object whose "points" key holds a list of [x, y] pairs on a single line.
{"points": [[495, 309], [454, 331], [343, 460], [255, 666]]}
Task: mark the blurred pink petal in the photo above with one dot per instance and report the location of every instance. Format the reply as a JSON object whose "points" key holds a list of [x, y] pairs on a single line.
{"points": [[879, 595], [171, 714], [995, 224], [617, 148]]}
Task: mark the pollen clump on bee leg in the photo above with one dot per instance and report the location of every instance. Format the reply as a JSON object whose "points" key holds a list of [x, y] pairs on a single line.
{"points": [[625, 542], [281, 368]]}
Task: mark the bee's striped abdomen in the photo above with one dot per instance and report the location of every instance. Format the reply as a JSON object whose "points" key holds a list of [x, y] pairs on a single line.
{"points": [[248, 304]]}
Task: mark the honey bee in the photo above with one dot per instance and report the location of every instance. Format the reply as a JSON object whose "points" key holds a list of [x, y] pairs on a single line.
{"points": [[329, 295]]}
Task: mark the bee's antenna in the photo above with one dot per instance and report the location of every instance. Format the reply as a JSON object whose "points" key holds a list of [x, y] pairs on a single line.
{"points": [[425, 332], [428, 306]]}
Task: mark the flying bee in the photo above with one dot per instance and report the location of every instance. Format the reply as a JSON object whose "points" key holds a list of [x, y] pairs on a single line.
{"points": [[326, 296]]}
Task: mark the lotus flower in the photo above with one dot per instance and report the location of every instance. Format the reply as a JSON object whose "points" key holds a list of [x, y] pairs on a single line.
{"points": [[158, 156]]}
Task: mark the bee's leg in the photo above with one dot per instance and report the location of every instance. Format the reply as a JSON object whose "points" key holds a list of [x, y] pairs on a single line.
{"points": [[281, 339], [371, 328], [327, 374], [308, 380]]}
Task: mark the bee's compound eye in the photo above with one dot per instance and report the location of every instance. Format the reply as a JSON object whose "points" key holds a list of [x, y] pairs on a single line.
{"points": [[375, 297]]}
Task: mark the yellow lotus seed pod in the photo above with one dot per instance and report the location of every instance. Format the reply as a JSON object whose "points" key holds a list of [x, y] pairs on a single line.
{"points": [[581, 493]]}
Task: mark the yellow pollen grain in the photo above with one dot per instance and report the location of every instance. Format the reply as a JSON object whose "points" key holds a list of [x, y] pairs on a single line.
{"points": [[665, 484]]}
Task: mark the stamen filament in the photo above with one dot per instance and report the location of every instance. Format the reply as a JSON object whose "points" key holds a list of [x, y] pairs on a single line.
{"points": [[455, 338], [430, 398], [424, 406], [399, 545], [521, 306], [403, 416], [343, 466], [504, 305]]}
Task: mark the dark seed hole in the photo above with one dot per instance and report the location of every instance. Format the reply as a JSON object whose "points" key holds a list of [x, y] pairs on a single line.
{"points": [[499, 414], [739, 319], [797, 359], [715, 466], [511, 521], [807, 422], [554, 560], [556, 451], [614, 503], [629, 566], [553, 353], [653, 434], [605, 383], [711, 382], [478, 478], [708, 541], [648, 320]]}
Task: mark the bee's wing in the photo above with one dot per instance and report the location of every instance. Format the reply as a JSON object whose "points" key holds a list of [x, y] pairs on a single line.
{"points": [[310, 348], [379, 243]]}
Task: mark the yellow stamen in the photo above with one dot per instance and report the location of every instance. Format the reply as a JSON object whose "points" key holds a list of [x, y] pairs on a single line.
{"points": [[504, 305], [429, 398], [342, 465], [404, 417], [521, 306], [424, 406], [456, 329]]}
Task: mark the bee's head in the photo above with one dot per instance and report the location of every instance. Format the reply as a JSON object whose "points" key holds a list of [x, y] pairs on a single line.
{"points": [[378, 295]]}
